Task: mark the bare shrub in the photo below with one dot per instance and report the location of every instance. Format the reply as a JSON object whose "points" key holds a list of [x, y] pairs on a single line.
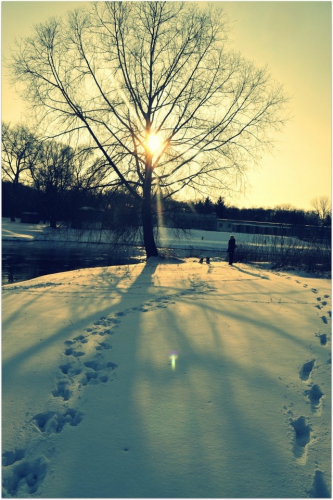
{"points": [[282, 251]]}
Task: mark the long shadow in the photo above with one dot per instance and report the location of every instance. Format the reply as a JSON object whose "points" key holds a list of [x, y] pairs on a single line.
{"points": [[12, 365], [121, 451], [163, 410], [171, 433], [256, 275], [190, 393]]}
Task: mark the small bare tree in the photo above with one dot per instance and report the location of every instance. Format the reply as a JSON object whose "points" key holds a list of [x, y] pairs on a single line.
{"points": [[153, 86], [322, 207], [18, 155]]}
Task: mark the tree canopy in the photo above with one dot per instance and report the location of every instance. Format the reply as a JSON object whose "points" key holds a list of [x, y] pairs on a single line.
{"points": [[19, 151], [155, 89]]}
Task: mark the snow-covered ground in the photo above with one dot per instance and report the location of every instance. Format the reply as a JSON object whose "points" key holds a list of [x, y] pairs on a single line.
{"points": [[167, 379]]}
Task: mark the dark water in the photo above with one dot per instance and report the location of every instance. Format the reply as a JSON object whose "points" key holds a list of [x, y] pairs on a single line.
{"points": [[26, 260]]}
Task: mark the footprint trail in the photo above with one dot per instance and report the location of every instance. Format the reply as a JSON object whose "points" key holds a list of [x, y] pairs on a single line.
{"points": [[23, 477]]}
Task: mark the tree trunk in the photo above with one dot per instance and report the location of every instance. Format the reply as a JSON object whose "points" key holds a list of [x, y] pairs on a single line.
{"points": [[13, 201], [148, 229], [147, 217], [53, 222]]}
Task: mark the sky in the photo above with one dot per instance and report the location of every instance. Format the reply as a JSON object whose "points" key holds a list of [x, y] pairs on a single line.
{"points": [[294, 40]]}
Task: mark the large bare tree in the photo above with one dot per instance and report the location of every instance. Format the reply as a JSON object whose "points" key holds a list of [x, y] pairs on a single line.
{"points": [[165, 104]]}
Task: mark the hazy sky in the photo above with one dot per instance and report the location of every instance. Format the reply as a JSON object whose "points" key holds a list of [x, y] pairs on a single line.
{"points": [[294, 40]]}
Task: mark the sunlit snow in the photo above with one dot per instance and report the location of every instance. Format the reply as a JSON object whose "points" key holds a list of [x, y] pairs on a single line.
{"points": [[167, 379]]}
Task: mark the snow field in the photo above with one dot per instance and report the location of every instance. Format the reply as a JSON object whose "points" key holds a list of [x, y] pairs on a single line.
{"points": [[93, 408]]}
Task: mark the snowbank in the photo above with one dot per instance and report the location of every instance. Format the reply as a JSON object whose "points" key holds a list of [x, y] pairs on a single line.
{"points": [[97, 403]]}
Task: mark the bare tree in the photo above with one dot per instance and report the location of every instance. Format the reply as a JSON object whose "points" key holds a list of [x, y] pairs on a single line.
{"points": [[322, 207], [54, 176], [153, 86], [19, 152]]}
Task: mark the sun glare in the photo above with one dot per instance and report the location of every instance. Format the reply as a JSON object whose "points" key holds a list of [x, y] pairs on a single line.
{"points": [[154, 142]]}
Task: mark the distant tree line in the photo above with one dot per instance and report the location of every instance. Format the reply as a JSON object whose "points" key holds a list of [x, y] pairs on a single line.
{"points": [[282, 214], [55, 205], [56, 181]]}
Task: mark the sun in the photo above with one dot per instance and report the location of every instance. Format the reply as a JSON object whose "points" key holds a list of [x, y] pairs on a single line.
{"points": [[154, 142]]}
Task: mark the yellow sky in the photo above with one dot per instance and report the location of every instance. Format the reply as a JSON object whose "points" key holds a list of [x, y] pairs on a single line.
{"points": [[294, 40]]}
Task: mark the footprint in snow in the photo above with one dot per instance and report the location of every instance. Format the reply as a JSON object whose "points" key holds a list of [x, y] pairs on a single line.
{"points": [[103, 345], [69, 342], [97, 370], [62, 391], [81, 338], [319, 488], [70, 369], [122, 313], [301, 439], [104, 325], [322, 337], [324, 319], [89, 378], [10, 457], [95, 365], [107, 331], [314, 395], [302, 431], [93, 378], [71, 352], [25, 478], [53, 422], [108, 321], [97, 374], [307, 369]]}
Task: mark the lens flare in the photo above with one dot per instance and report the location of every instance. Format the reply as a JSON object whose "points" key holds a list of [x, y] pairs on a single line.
{"points": [[173, 356]]}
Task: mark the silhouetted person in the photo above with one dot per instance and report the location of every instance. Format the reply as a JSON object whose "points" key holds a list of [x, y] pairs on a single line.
{"points": [[231, 249]]}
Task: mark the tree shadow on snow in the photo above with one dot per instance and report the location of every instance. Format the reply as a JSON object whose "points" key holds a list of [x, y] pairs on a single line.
{"points": [[190, 431]]}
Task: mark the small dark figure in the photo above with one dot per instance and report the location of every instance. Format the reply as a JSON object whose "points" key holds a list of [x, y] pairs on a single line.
{"points": [[231, 249], [207, 260]]}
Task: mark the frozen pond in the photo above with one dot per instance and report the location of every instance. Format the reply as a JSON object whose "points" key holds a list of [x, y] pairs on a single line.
{"points": [[26, 260], [32, 250], [23, 261], [29, 251]]}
